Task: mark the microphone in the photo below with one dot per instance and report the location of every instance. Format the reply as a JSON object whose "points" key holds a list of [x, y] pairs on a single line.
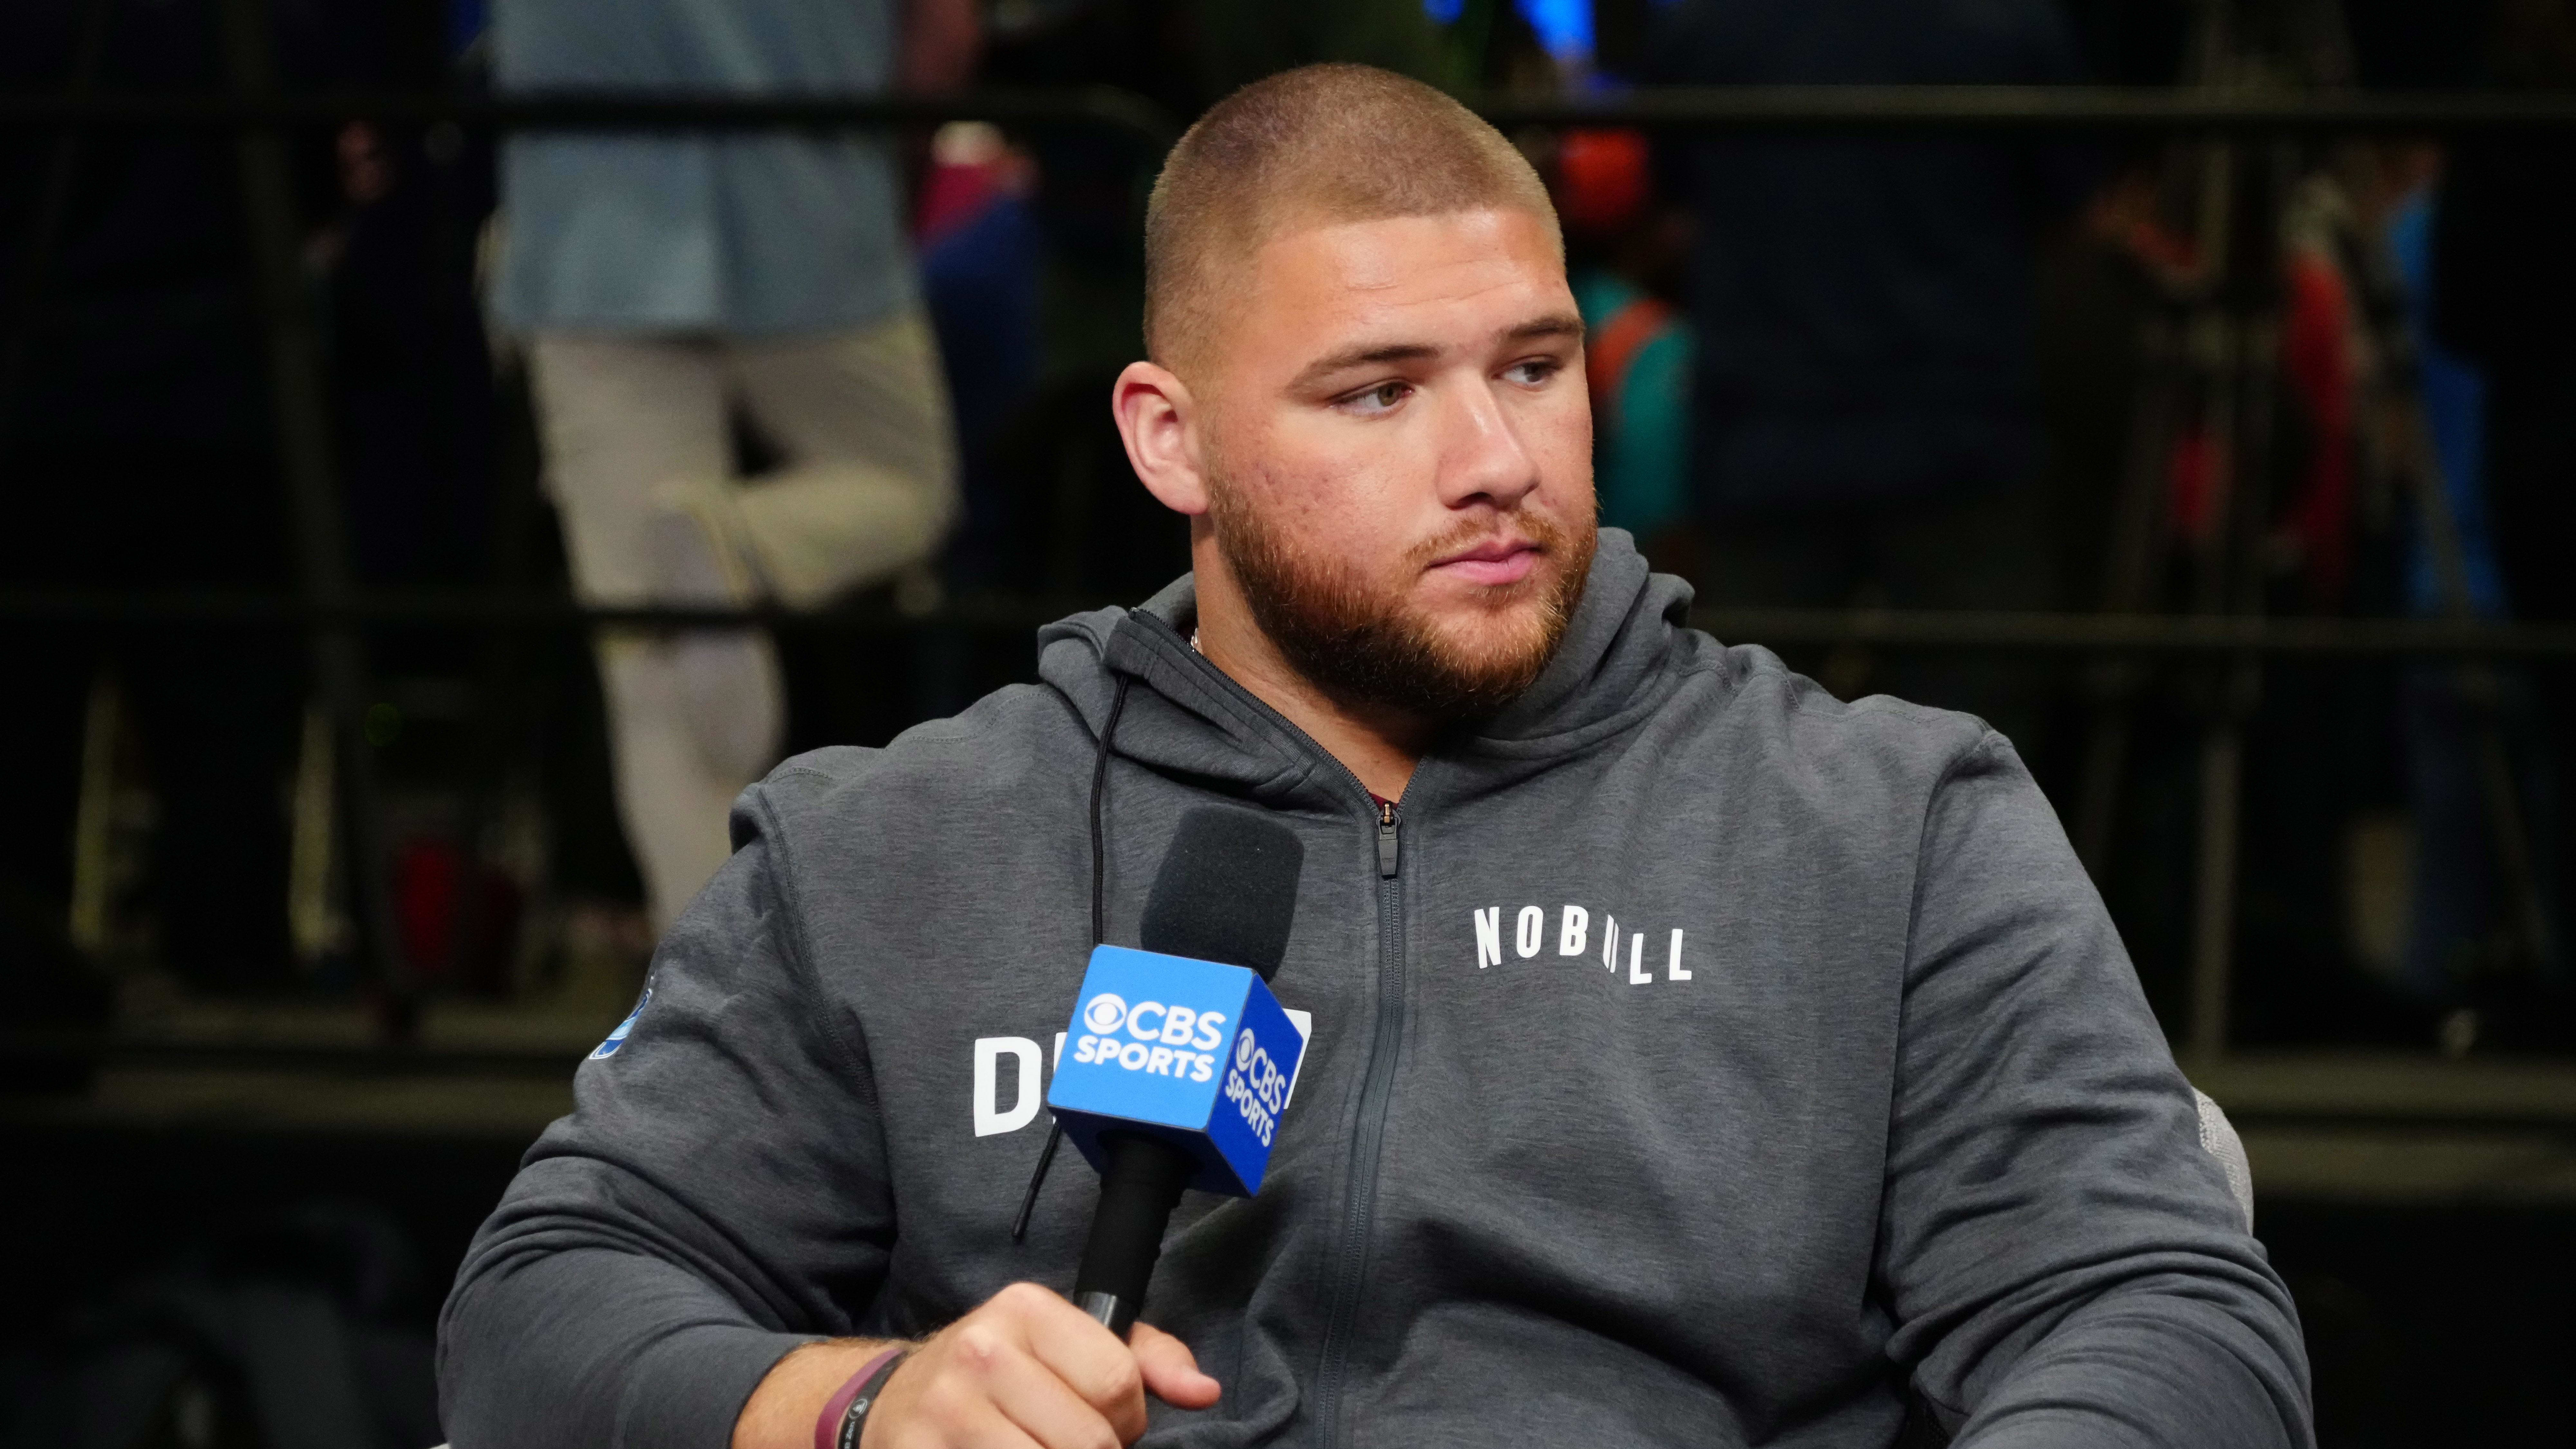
{"points": [[1179, 1060]]}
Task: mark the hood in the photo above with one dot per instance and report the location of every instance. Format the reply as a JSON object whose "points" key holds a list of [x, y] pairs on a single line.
{"points": [[1619, 658]]}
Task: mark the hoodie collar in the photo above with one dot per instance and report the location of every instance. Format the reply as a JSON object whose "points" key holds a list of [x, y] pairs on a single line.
{"points": [[1614, 665]]}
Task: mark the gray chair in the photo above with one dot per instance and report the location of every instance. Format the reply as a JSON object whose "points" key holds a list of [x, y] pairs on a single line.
{"points": [[2218, 1138]]}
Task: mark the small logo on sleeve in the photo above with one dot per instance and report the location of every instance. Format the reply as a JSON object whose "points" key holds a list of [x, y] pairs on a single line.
{"points": [[617, 1038]]}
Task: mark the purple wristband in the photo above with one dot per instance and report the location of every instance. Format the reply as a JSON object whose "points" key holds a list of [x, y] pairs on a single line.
{"points": [[827, 1429]]}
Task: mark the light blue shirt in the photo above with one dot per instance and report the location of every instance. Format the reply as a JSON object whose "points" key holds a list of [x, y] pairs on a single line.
{"points": [[734, 233]]}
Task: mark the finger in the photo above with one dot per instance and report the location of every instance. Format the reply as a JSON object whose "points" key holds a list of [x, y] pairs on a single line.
{"points": [[1086, 1356], [1044, 1406], [1171, 1371]]}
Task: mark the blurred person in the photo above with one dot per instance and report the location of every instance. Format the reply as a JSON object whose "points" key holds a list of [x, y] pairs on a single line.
{"points": [[2504, 299], [2460, 905], [980, 269], [1625, 258], [1831, 1113], [1866, 426], [411, 364], [667, 283], [136, 453]]}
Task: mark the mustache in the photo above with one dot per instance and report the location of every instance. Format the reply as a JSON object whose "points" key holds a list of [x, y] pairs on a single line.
{"points": [[1550, 536]]}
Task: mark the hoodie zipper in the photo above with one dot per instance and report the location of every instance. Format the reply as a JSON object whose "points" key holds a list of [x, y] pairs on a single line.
{"points": [[1367, 1142], [1376, 1086]]}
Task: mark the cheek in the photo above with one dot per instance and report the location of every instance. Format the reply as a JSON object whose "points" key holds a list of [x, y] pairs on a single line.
{"points": [[1329, 490], [1559, 440]]}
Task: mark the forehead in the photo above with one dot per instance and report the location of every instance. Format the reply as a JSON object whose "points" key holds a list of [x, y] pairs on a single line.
{"points": [[1451, 276]]}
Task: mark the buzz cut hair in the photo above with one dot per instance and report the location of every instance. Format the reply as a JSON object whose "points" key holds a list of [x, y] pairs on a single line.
{"points": [[1320, 144]]}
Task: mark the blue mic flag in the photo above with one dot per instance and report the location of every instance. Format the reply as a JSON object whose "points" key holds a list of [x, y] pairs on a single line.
{"points": [[1193, 1053]]}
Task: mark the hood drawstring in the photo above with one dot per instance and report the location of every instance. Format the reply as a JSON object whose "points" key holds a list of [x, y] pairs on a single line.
{"points": [[1099, 792], [1099, 933]]}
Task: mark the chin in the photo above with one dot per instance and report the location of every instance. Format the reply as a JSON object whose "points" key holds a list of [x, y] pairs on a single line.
{"points": [[1486, 632]]}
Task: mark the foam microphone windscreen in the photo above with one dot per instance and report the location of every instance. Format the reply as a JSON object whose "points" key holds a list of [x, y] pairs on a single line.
{"points": [[1227, 890]]}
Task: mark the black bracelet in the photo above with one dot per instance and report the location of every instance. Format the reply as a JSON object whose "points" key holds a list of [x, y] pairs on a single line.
{"points": [[854, 1419]]}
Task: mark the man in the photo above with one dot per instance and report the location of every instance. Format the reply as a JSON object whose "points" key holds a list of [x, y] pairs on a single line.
{"points": [[668, 282], [1696, 1059]]}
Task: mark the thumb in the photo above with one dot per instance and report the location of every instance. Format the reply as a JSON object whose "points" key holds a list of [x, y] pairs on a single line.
{"points": [[1170, 1370]]}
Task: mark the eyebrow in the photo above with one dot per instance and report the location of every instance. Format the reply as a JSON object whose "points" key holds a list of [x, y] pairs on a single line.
{"points": [[1555, 324], [1364, 355]]}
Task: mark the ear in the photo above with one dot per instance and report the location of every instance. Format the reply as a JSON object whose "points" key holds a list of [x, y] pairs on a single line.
{"points": [[1157, 418]]}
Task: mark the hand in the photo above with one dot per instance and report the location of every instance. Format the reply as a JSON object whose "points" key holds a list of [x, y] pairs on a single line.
{"points": [[1029, 1368], [1026, 1369]]}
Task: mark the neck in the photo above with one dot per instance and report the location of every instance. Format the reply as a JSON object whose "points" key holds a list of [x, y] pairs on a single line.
{"points": [[1381, 746]]}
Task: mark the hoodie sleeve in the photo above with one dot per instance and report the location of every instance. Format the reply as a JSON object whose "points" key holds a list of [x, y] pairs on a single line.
{"points": [[716, 1198], [2063, 1258]]}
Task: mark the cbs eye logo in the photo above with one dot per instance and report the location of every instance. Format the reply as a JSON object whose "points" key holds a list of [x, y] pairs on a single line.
{"points": [[1244, 1047], [1104, 1012]]}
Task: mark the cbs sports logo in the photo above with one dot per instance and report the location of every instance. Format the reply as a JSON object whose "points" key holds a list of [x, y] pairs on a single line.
{"points": [[1150, 1037], [1256, 1087]]}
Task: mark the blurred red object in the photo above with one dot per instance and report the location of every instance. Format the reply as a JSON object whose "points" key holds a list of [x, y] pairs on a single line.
{"points": [[2192, 481], [1607, 352], [459, 919], [1603, 179], [2316, 352], [972, 165]]}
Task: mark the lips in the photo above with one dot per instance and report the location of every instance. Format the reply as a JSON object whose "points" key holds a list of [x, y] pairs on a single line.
{"points": [[1497, 561]]}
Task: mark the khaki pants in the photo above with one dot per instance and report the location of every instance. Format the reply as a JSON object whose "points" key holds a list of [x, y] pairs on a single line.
{"points": [[867, 489]]}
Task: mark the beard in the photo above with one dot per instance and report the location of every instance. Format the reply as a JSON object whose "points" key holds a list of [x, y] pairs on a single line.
{"points": [[1363, 641]]}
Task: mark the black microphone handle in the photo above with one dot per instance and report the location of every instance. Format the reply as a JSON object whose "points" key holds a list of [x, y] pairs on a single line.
{"points": [[1137, 1194]]}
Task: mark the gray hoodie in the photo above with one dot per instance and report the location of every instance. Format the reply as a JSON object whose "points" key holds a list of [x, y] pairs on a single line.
{"points": [[1697, 1060]]}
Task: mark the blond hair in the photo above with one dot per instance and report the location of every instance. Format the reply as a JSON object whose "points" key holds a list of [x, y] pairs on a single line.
{"points": [[1319, 144]]}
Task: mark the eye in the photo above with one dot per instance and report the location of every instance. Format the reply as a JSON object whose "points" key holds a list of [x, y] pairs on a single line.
{"points": [[1378, 400], [1534, 371]]}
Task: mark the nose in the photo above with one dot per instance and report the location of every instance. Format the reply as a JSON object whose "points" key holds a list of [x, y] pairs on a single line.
{"points": [[1482, 457]]}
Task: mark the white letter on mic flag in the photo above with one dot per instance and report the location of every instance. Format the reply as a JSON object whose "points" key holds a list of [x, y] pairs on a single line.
{"points": [[989, 1118], [1489, 937]]}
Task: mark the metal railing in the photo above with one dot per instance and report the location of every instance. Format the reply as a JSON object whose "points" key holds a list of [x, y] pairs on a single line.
{"points": [[2092, 110], [2091, 634], [1100, 108]]}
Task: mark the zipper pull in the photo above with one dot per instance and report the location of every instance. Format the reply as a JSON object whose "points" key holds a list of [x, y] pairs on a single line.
{"points": [[1386, 846]]}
